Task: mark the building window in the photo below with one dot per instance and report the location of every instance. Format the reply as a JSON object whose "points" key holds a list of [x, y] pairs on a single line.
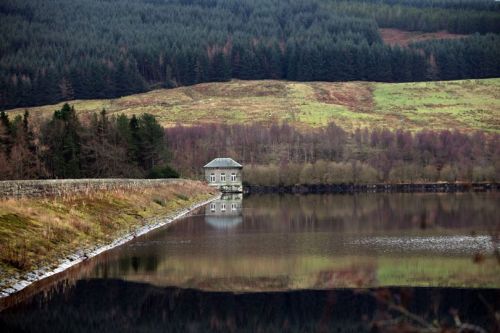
{"points": [[212, 177], [233, 177], [233, 206], [222, 177], [212, 207], [223, 207]]}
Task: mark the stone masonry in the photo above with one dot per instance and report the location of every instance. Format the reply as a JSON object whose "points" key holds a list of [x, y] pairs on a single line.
{"points": [[59, 187]]}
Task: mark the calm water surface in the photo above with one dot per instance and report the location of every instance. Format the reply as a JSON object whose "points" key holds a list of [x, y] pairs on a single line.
{"points": [[279, 250], [272, 242]]}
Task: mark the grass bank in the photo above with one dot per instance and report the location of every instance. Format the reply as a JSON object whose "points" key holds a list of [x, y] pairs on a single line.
{"points": [[463, 105], [39, 233]]}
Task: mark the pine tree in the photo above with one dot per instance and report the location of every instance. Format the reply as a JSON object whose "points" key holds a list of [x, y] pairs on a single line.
{"points": [[135, 144], [6, 139], [152, 141], [220, 68], [62, 136]]}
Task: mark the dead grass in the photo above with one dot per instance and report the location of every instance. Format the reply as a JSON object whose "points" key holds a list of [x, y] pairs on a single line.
{"points": [[357, 96], [39, 232]]}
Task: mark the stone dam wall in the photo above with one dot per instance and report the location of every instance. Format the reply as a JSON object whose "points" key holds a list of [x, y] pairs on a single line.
{"points": [[59, 187]]}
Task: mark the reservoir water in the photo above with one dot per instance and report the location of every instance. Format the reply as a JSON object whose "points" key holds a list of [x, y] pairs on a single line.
{"points": [[287, 263]]}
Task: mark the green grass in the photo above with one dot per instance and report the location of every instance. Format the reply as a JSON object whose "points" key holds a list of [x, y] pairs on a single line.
{"points": [[455, 104], [463, 105]]}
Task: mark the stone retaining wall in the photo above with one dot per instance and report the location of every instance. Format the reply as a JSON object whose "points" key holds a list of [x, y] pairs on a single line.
{"points": [[58, 187]]}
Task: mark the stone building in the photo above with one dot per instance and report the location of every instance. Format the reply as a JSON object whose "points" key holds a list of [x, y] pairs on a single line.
{"points": [[225, 174]]}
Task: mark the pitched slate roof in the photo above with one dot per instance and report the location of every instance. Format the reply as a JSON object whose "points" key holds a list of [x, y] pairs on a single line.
{"points": [[223, 162]]}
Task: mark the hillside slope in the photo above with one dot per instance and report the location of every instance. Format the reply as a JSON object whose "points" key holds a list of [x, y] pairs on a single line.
{"points": [[463, 105]]}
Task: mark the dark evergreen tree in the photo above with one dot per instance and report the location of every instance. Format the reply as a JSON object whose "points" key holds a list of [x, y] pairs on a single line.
{"points": [[135, 141], [6, 139], [62, 136], [220, 68], [153, 151]]}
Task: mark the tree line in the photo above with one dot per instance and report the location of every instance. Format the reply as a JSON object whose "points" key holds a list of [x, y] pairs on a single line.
{"points": [[98, 145], [61, 50], [92, 146], [480, 5], [283, 155], [456, 16]]}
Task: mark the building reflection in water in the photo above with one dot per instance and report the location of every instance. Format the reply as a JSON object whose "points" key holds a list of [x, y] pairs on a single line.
{"points": [[226, 212]]}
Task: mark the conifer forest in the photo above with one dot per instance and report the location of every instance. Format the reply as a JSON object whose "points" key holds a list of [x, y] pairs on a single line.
{"points": [[55, 50]]}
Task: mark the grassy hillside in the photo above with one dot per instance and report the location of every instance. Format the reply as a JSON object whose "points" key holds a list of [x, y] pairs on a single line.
{"points": [[464, 105]]}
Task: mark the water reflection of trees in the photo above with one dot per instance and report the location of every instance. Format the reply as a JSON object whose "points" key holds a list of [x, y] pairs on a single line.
{"points": [[119, 306], [372, 212]]}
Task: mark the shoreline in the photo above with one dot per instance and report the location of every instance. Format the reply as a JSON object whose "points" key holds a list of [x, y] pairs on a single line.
{"points": [[372, 188], [18, 284]]}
